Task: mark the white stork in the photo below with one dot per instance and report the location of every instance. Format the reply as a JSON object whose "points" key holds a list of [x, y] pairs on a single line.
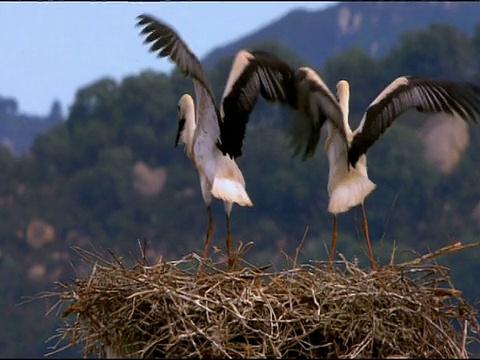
{"points": [[199, 127], [315, 105]]}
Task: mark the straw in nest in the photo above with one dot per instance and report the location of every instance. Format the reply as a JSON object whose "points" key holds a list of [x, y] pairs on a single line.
{"points": [[166, 310]]}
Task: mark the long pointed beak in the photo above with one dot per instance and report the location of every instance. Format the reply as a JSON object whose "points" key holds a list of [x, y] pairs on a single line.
{"points": [[181, 125]]}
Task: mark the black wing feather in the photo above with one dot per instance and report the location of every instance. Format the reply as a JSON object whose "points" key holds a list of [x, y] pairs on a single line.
{"points": [[264, 75], [423, 94], [316, 105], [162, 37]]}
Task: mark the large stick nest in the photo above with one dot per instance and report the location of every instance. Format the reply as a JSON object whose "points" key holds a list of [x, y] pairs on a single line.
{"points": [[171, 310]]}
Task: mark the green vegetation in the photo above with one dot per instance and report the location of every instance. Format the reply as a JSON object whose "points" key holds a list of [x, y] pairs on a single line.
{"points": [[79, 178]]}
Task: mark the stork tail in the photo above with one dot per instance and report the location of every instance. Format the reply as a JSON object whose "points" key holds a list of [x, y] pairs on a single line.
{"points": [[350, 192], [231, 191]]}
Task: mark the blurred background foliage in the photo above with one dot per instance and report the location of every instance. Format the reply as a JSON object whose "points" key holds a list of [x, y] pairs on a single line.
{"points": [[109, 175]]}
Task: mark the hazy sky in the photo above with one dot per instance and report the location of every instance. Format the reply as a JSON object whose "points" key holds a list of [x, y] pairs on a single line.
{"points": [[50, 49]]}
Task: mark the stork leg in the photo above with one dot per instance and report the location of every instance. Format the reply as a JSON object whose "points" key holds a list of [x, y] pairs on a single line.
{"points": [[229, 244], [367, 237], [209, 235], [334, 239]]}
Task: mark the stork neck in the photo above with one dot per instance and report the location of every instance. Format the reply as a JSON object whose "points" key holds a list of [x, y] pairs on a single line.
{"points": [[188, 133], [343, 101]]}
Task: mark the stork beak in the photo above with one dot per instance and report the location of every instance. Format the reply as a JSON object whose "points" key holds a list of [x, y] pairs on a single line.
{"points": [[181, 125]]}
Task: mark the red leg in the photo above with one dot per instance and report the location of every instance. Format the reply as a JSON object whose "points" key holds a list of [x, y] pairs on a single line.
{"points": [[334, 239], [229, 244], [209, 235], [367, 237]]}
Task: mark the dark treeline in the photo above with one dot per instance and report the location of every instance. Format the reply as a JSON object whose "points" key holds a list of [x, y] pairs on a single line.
{"points": [[110, 175]]}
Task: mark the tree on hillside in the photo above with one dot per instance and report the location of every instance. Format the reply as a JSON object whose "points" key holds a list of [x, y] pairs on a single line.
{"points": [[56, 115], [8, 106], [439, 51]]}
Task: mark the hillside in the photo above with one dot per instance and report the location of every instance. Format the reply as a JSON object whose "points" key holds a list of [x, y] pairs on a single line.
{"points": [[373, 26], [109, 177]]}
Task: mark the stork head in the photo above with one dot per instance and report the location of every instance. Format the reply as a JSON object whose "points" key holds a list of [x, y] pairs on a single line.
{"points": [[184, 106], [343, 90]]}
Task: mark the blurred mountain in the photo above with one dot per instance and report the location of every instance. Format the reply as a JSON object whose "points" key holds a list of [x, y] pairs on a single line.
{"points": [[372, 26], [18, 130]]}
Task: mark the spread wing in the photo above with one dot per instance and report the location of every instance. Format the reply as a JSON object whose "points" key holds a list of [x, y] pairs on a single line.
{"points": [[316, 104], [460, 99], [166, 42], [253, 74], [257, 73]]}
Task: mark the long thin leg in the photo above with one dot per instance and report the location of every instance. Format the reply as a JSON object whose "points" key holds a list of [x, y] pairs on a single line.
{"points": [[229, 244], [334, 239], [367, 237], [209, 235]]}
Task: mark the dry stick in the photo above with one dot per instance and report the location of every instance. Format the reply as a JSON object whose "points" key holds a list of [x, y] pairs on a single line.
{"points": [[445, 250], [392, 255], [253, 300], [390, 212], [464, 339], [297, 250]]}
